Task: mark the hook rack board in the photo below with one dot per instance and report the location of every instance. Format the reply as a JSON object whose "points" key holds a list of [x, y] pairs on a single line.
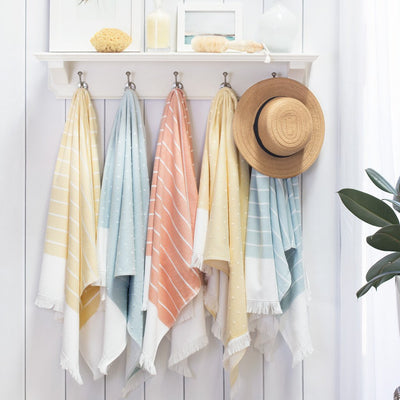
{"points": [[200, 73]]}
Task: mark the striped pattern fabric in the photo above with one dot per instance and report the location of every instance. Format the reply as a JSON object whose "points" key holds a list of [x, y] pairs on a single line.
{"points": [[220, 231], [275, 277], [70, 248], [170, 283], [122, 233]]}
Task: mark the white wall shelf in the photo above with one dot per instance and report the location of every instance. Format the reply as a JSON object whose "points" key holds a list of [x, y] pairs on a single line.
{"points": [[200, 73]]}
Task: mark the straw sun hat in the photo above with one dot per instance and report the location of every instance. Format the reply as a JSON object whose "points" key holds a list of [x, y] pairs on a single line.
{"points": [[279, 127]]}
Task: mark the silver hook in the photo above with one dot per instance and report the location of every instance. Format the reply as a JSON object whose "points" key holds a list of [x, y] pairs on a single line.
{"points": [[177, 85], [82, 84], [129, 85], [274, 74], [225, 83]]}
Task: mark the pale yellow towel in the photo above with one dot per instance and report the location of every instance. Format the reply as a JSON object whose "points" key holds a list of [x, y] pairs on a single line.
{"points": [[69, 267], [221, 228]]}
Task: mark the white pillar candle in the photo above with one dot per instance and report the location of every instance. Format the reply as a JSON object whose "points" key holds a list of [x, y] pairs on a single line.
{"points": [[158, 28]]}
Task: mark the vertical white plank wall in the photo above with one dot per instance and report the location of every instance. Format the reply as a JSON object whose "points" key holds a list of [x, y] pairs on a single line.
{"points": [[12, 212], [320, 206], [31, 346], [45, 123]]}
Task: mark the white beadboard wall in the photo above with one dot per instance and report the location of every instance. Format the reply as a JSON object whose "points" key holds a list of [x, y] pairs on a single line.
{"points": [[31, 126]]}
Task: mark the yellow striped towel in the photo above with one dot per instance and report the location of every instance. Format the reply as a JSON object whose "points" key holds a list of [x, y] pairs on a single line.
{"points": [[220, 231], [69, 269]]}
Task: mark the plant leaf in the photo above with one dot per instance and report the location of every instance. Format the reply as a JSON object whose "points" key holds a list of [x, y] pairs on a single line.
{"points": [[395, 203], [377, 281], [368, 208], [389, 263], [380, 181], [398, 186], [387, 238]]}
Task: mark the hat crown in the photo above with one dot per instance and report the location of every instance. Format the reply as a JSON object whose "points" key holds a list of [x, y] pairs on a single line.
{"points": [[284, 126]]}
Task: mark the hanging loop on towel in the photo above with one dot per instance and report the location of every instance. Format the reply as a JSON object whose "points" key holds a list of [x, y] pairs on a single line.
{"points": [[177, 85], [82, 84], [225, 83], [129, 85]]}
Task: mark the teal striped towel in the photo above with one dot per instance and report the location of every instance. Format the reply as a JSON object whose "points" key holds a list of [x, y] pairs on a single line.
{"points": [[275, 278], [122, 234]]}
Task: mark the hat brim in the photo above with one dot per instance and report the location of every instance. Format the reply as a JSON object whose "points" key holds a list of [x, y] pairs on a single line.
{"points": [[246, 141]]}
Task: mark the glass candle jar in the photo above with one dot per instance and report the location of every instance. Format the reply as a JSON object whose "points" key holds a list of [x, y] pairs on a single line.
{"points": [[158, 29]]}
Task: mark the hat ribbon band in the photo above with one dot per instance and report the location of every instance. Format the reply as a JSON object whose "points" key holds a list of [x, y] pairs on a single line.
{"points": [[256, 134]]}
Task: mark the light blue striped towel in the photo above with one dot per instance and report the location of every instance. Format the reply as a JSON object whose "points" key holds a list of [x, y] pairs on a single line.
{"points": [[122, 233], [275, 278]]}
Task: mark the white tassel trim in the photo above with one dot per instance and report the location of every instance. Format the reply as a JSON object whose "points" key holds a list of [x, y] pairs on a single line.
{"points": [[147, 364], [49, 304], [238, 344], [72, 369], [263, 307], [185, 352]]}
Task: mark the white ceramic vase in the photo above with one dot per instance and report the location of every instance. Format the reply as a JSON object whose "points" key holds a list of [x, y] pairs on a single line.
{"points": [[278, 28]]}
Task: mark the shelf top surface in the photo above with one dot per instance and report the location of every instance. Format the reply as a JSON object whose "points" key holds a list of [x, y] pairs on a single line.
{"points": [[173, 57]]}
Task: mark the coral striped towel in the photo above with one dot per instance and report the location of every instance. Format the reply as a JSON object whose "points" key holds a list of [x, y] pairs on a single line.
{"points": [[69, 269], [170, 283], [221, 229], [275, 278], [122, 233]]}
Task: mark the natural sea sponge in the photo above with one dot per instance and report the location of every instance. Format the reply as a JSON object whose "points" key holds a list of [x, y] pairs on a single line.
{"points": [[110, 40]]}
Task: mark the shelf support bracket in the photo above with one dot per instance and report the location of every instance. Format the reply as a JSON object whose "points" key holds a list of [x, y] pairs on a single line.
{"points": [[299, 71], [58, 73]]}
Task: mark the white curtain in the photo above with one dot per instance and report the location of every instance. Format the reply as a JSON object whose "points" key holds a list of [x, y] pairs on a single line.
{"points": [[369, 136]]}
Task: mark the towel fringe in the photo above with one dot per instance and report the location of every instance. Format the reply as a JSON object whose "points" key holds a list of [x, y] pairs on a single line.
{"points": [[49, 304], [236, 345], [186, 351], [263, 307], [147, 364], [73, 370]]}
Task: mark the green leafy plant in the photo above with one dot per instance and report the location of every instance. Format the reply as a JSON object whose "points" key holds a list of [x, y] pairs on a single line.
{"points": [[379, 213]]}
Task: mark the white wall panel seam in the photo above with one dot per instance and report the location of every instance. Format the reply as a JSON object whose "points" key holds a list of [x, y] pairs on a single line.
{"points": [[147, 144], [25, 192], [65, 372]]}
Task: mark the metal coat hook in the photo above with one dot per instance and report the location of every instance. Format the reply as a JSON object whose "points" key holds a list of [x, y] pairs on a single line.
{"points": [[177, 85], [82, 84], [129, 85], [225, 83]]}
